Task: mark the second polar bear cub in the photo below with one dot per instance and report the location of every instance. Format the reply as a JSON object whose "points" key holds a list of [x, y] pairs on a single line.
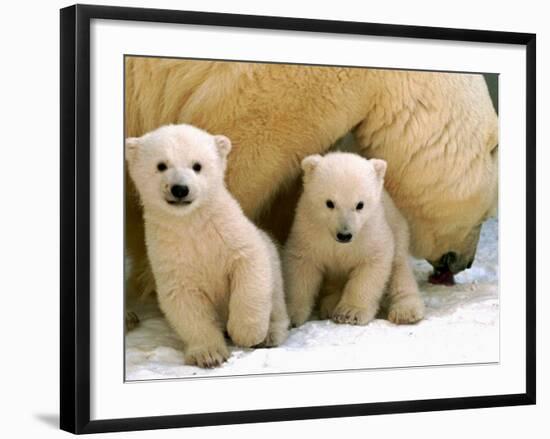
{"points": [[348, 244], [214, 270]]}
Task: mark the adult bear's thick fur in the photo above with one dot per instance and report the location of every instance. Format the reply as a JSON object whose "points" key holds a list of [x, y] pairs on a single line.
{"points": [[437, 131]]}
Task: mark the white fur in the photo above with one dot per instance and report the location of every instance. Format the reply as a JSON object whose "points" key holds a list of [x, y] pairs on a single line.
{"points": [[214, 270], [352, 277]]}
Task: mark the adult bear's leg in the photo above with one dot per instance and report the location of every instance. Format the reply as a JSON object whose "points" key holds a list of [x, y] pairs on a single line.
{"points": [[139, 277]]}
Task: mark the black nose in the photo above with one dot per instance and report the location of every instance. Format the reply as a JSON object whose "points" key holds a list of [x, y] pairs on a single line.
{"points": [[179, 191], [344, 237], [449, 262]]}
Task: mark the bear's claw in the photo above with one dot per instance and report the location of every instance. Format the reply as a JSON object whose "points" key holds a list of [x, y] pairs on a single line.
{"points": [[131, 320], [207, 357], [409, 310], [352, 315], [275, 336]]}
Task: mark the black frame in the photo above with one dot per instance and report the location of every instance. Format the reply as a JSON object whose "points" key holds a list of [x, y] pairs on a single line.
{"points": [[75, 217]]}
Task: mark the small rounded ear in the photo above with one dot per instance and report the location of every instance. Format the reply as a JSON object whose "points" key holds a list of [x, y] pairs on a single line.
{"points": [[379, 167], [223, 145], [310, 163], [130, 148]]}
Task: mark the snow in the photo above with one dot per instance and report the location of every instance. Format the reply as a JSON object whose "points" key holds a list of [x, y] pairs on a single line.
{"points": [[461, 327]]}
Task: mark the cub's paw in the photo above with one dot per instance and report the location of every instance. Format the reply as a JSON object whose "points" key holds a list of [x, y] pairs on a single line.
{"points": [[247, 335], [298, 316], [131, 320], [207, 356], [328, 303], [406, 310], [353, 315], [276, 335]]}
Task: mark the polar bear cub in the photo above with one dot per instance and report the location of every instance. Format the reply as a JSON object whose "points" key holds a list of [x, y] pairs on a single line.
{"points": [[214, 270], [349, 245]]}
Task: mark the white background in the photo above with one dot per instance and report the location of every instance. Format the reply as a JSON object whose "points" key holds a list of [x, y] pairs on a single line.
{"points": [[30, 205], [111, 398]]}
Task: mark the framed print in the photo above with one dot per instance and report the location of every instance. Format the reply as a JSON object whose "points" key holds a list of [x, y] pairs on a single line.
{"points": [[268, 218]]}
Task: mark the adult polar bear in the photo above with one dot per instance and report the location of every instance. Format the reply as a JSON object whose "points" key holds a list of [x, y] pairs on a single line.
{"points": [[437, 131]]}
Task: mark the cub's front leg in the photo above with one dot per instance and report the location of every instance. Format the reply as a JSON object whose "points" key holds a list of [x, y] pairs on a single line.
{"points": [[405, 302], [278, 326], [331, 292], [302, 282], [192, 315], [406, 305], [362, 294], [250, 302]]}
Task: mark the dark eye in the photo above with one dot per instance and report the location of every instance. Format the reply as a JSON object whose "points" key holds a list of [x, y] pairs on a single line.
{"points": [[161, 166], [360, 205], [197, 167], [330, 204]]}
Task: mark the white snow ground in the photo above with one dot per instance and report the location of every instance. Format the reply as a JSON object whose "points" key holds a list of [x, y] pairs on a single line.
{"points": [[461, 326]]}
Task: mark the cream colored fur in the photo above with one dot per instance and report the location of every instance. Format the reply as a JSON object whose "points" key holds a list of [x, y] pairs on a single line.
{"points": [[344, 195], [437, 131], [214, 269], [439, 135]]}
